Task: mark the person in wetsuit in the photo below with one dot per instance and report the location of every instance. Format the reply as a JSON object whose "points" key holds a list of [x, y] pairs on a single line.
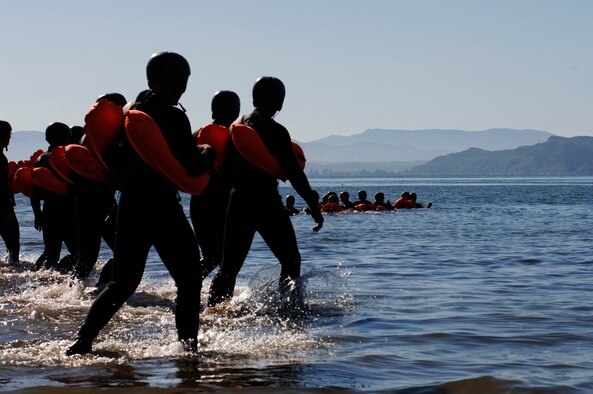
{"points": [[96, 209], [258, 191], [208, 210], [56, 219], [380, 202], [9, 225], [150, 213]]}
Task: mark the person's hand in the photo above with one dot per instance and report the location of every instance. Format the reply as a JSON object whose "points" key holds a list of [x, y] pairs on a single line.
{"points": [[37, 224], [207, 152], [318, 218]]}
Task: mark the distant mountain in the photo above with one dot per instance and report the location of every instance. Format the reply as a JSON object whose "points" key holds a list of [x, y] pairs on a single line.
{"points": [[558, 156], [24, 143], [356, 169], [376, 145]]}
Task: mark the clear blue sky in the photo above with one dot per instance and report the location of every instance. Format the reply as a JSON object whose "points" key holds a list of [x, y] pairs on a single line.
{"points": [[348, 65]]}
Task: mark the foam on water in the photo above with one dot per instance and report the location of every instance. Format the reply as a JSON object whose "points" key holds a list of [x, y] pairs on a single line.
{"points": [[45, 309]]}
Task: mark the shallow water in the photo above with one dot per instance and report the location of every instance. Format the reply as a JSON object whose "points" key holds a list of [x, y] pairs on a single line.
{"points": [[489, 291]]}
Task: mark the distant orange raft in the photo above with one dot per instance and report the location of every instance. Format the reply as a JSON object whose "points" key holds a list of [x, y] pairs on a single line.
{"points": [[148, 141], [252, 148]]}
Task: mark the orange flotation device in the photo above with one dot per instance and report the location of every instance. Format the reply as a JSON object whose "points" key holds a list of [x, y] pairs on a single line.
{"points": [[365, 207], [148, 141], [23, 181], [58, 162], [102, 124], [331, 207], [252, 148], [218, 137], [46, 180], [86, 163]]}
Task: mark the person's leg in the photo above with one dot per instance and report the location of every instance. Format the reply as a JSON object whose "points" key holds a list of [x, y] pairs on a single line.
{"points": [[131, 250], [178, 249], [239, 231]]}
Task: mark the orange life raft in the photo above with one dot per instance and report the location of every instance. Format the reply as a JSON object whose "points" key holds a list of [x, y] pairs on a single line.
{"points": [[148, 141], [252, 148]]}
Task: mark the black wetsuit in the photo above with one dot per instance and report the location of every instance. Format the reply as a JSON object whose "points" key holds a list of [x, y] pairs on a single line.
{"points": [[95, 207], [150, 214], [256, 206], [208, 212], [9, 225], [58, 224]]}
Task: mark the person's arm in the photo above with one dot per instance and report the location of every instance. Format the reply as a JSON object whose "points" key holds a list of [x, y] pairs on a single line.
{"points": [[196, 159], [36, 205]]}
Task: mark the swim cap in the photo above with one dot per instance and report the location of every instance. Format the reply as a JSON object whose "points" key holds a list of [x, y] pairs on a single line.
{"points": [[58, 134], [225, 105], [115, 98], [268, 92], [5, 129], [167, 66]]}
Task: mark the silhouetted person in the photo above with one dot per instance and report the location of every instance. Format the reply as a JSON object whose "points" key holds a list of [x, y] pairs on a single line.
{"points": [[258, 191], [150, 213], [9, 225], [208, 211]]}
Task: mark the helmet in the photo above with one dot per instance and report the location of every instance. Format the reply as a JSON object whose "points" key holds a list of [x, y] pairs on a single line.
{"points": [[225, 105], [167, 66], [76, 133], [268, 92], [5, 129], [57, 134], [115, 98]]}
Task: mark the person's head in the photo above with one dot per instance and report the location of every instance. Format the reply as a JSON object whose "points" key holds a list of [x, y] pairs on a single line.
{"points": [[344, 196], [226, 106], [5, 134], [333, 198], [290, 200], [362, 195], [413, 197], [58, 134], [167, 73], [268, 94], [76, 133], [115, 98], [406, 195], [379, 197]]}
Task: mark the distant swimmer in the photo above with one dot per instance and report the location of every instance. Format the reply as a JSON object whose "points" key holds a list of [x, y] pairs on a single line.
{"points": [[414, 197], [9, 225], [150, 213], [289, 205], [345, 200], [254, 187], [380, 202], [362, 204]]}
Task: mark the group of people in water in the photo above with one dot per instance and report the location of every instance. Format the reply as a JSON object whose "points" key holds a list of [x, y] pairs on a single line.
{"points": [[332, 202], [83, 210], [148, 212]]}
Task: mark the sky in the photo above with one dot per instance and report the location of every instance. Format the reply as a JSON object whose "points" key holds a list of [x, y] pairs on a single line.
{"points": [[348, 65]]}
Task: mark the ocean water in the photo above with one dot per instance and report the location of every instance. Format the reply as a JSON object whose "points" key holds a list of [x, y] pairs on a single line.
{"points": [[488, 291]]}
